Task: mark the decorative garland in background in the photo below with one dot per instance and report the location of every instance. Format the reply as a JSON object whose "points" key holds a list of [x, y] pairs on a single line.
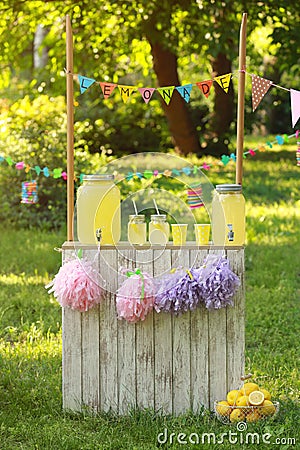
{"points": [[58, 173]]}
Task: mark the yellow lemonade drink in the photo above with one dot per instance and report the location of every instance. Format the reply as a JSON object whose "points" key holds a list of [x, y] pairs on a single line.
{"points": [[159, 229], [228, 215], [98, 207], [137, 229]]}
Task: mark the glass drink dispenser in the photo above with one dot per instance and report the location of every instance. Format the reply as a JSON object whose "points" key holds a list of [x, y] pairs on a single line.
{"points": [[98, 207], [228, 215]]}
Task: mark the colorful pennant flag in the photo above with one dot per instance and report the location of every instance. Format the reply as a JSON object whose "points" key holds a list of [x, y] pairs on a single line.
{"points": [[146, 93], [295, 105], [125, 91], [85, 83], [205, 86], [224, 81], [185, 91], [166, 93], [107, 88], [260, 87]]}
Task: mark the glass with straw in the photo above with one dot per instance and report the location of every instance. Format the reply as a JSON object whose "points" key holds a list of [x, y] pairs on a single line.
{"points": [[136, 229], [159, 229]]}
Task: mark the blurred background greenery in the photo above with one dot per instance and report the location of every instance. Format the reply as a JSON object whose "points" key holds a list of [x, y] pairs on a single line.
{"points": [[141, 43]]}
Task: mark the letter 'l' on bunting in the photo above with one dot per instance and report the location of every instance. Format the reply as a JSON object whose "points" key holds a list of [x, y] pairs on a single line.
{"points": [[205, 86], [260, 87], [85, 83], [146, 93], [185, 91], [125, 91], [224, 81], [166, 93], [295, 105], [107, 88]]}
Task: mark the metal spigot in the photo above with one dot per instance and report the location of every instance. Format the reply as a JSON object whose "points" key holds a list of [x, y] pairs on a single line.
{"points": [[230, 233], [98, 234]]}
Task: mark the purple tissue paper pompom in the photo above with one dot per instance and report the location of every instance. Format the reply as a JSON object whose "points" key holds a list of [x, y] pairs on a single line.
{"points": [[177, 292], [218, 283]]}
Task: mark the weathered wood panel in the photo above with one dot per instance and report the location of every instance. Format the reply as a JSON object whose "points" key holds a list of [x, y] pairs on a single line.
{"points": [[236, 325], [199, 346], [109, 334], [181, 348], [126, 345], [145, 343], [217, 358], [163, 345], [71, 355]]}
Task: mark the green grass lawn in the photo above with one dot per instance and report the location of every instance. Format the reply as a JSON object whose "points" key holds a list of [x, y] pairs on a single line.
{"points": [[31, 415]]}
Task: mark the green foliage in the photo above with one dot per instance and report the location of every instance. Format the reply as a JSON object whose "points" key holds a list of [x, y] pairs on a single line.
{"points": [[34, 131]]}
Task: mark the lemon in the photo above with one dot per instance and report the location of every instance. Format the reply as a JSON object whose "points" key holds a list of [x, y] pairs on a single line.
{"points": [[248, 388], [223, 408], [237, 415], [243, 400], [268, 408], [232, 396], [256, 398], [266, 393], [253, 415]]}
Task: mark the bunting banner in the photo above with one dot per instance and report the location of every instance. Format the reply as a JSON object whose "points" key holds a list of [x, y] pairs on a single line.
{"points": [[166, 93], [295, 106], [205, 86], [185, 91], [107, 88], [260, 87], [146, 93], [224, 81], [125, 91], [85, 83]]}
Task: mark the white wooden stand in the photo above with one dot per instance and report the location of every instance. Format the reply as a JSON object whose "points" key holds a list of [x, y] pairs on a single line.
{"points": [[172, 364]]}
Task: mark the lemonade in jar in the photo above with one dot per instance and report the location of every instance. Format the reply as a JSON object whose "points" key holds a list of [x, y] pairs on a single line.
{"points": [[137, 229], [228, 215], [98, 208], [159, 229]]}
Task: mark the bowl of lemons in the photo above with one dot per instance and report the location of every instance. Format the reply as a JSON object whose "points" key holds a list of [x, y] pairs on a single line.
{"points": [[250, 403]]}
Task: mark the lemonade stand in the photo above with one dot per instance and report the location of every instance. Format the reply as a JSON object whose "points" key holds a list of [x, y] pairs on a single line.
{"points": [[166, 362]]}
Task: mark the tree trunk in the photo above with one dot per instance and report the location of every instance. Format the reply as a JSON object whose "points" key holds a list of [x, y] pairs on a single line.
{"points": [[182, 129], [224, 102]]}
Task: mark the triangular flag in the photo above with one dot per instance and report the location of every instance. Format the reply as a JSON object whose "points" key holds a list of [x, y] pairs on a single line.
{"points": [[223, 81], [295, 105], [205, 86], [107, 88], [166, 93], [84, 83], [260, 87], [125, 91], [185, 91], [146, 93]]}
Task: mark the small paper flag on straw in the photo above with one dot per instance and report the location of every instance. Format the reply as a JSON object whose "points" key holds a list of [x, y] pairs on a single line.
{"points": [[194, 193]]}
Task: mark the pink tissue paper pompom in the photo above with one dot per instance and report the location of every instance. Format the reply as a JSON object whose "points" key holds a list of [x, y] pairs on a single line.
{"points": [[77, 285], [135, 298]]}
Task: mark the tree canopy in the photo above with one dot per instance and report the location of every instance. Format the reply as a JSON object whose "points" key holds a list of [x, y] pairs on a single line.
{"points": [[131, 41]]}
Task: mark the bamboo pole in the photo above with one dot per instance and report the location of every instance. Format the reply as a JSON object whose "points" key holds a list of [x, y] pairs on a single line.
{"points": [[70, 130], [241, 101]]}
